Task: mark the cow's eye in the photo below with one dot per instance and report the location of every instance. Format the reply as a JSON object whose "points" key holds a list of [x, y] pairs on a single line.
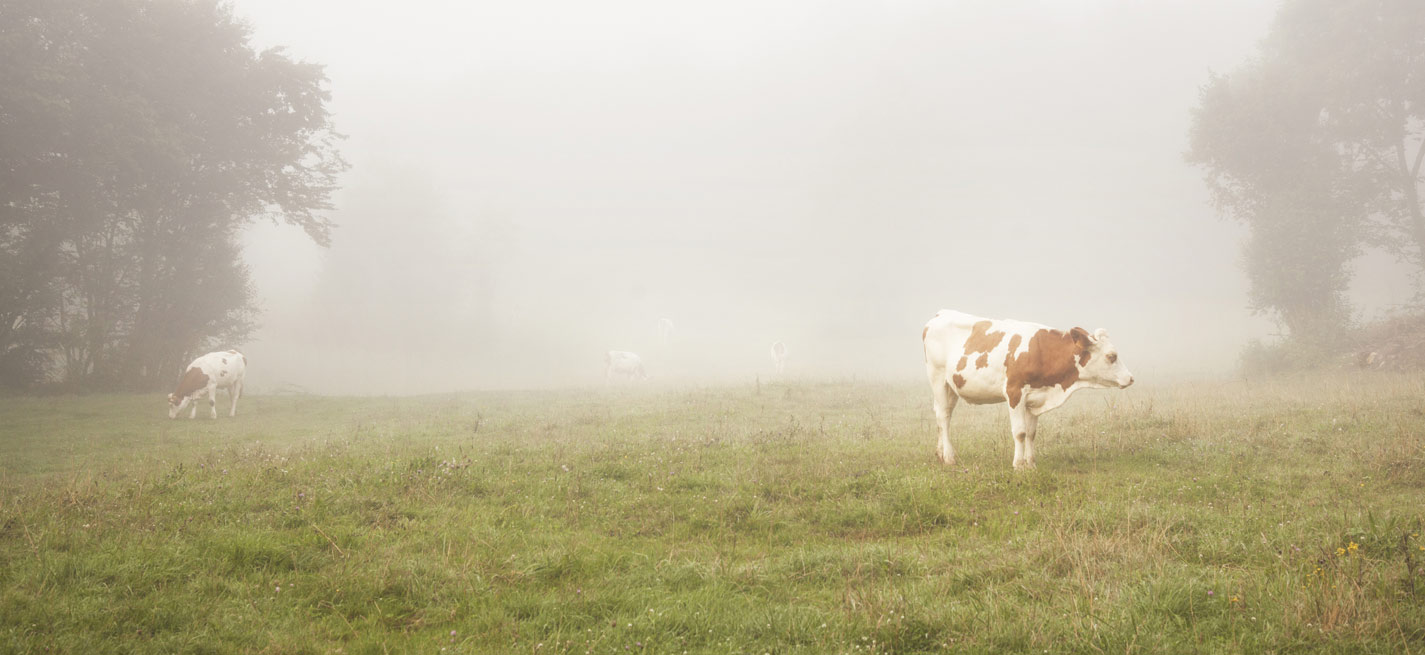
{"points": [[1112, 357]]}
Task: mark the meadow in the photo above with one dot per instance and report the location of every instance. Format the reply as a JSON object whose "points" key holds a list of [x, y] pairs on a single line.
{"points": [[1265, 516]]}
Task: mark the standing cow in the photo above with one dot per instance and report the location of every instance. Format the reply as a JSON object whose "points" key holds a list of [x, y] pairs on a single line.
{"points": [[1033, 367], [623, 364], [207, 374], [779, 356], [665, 331]]}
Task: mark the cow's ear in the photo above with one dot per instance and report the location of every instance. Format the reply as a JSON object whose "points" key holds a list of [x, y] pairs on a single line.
{"points": [[1081, 338]]}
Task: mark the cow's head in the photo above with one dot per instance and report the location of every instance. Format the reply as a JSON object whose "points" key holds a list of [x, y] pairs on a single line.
{"points": [[176, 404], [1099, 363]]}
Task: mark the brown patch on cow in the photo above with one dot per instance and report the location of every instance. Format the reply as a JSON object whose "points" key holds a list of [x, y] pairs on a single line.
{"points": [[1013, 346], [981, 339], [1084, 342], [193, 379], [959, 380], [225, 360], [1047, 362], [983, 361], [961, 365]]}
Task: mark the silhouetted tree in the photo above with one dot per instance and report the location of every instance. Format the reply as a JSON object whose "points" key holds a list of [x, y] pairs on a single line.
{"points": [[137, 138], [1316, 144]]}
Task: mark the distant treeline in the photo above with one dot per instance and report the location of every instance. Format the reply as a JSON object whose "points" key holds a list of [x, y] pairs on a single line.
{"points": [[137, 138]]}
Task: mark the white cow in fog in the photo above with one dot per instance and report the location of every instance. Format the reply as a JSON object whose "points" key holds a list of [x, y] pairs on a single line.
{"points": [[624, 365], [665, 331], [779, 356], [207, 374]]}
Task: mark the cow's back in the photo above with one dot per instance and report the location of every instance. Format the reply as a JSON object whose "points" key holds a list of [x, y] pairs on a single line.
{"points": [[622, 360], [224, 368], [970, 353], [947, 335]]}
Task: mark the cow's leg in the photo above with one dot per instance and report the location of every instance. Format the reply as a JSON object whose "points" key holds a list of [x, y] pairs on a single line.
{"points": [[1031, 426], [944, 401], [1021, 425], [213, 400], [194, 413], [235, 391]]}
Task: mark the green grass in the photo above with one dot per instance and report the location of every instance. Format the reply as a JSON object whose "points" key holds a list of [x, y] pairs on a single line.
{"points": [[810, 518]]}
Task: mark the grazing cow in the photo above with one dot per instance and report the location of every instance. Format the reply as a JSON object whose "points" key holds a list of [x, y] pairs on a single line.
{"points": [[1369, 359], [665, 331], [779, 356], [207, 374], [1032, 367], [624, 365]]}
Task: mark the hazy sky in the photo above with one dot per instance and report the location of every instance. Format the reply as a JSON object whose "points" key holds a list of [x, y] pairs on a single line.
{"points": [[536, 182]]}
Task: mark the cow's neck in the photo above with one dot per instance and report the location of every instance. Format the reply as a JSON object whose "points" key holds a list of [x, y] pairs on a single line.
{"points": [[1052, 397]]}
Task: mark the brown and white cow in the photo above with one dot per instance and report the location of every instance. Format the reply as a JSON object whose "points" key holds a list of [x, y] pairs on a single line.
{"points": [[1032, 367], [207, 374]]}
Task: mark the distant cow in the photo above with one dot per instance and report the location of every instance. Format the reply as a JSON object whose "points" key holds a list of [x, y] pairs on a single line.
{"points": [[207, 374], [1032, 367], [665, 331], [779, 356], [623, 364]]}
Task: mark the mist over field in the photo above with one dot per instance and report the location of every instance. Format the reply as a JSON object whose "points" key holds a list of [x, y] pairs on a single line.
{"points": [[424, 224], [534, 184], [369, 199]]}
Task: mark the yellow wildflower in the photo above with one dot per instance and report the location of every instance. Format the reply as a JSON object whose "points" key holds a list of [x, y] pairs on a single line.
{"points": [[1340, 552], [1353, 546], [1236, 599]]}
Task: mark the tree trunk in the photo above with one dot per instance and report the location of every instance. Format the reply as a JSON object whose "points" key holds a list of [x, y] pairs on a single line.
{"points": [[1414, 215]]}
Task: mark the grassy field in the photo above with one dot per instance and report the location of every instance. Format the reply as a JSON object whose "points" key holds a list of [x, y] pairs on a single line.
{"points": [[804, 518]]}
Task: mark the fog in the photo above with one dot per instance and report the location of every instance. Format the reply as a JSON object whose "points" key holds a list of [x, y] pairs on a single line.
{"points": [[535, 183]]}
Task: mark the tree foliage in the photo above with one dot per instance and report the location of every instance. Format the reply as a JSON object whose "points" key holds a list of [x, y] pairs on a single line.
{"points": [[137, 139], [1316, 144]]}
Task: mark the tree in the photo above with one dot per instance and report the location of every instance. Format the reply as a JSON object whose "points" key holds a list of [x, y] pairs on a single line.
{"points": [[1316, 144], [137, 139]]}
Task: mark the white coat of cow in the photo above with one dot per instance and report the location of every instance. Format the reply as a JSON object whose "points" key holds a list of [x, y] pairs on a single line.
{"points": [[1032, 367], [779, 356], [207, 374], [623, 364]]}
